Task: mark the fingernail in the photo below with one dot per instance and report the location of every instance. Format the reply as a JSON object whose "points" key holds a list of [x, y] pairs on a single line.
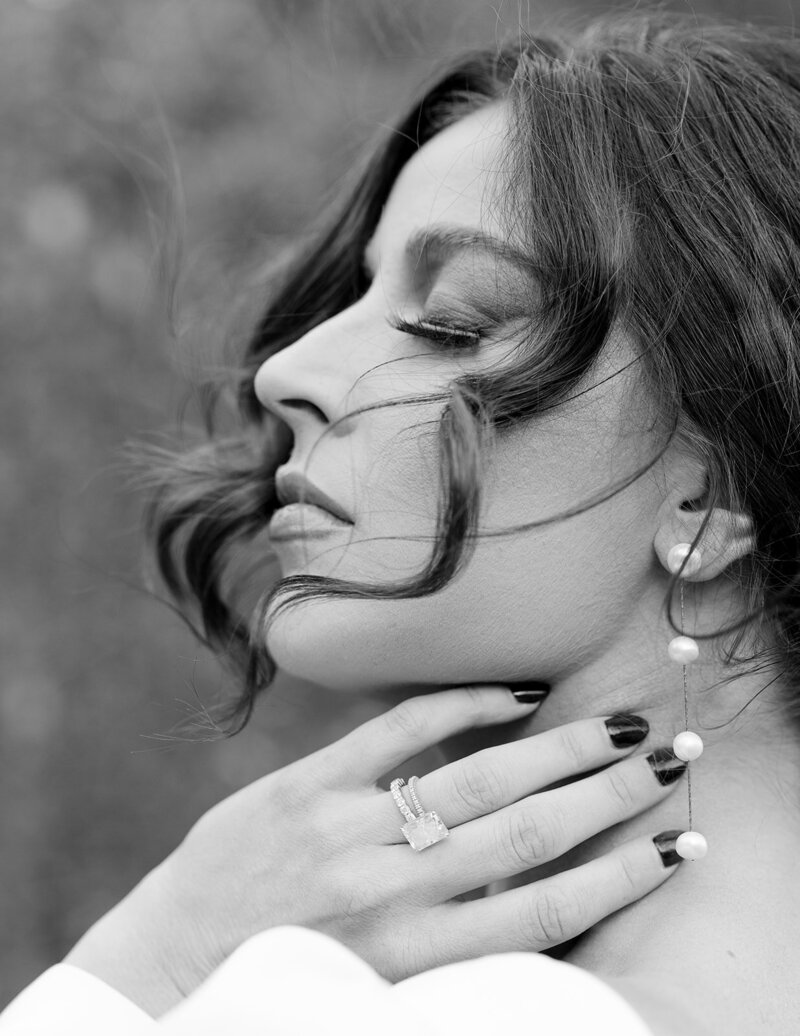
{"points": [[532, 691], [665, 843], [666, 765], [625, 729]]}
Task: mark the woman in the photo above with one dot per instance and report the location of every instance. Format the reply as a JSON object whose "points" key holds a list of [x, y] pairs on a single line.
{"points": [[539, 378]]}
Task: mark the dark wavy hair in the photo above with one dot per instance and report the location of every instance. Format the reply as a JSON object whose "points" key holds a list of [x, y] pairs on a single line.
{"points": [[656, 182]]}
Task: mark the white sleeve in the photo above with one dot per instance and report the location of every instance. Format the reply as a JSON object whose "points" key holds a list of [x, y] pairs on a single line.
{"points": [[68, 1001], [294, 981]]}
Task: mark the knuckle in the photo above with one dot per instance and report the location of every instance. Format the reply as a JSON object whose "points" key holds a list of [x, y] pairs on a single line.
{"points": [[352, 899], [622, 792], [356, 893], [475, 704], [553, 916], [527, 840], [324, 765], [291, 791], [405, 721], [420, 949], [575, 749], [630, 879], [480, 787]]}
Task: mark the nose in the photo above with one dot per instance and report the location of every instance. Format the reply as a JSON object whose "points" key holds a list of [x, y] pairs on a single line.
{"points": [[307, 383]]}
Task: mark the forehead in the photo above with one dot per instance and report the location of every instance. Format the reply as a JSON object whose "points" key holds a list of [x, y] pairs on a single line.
{"points": [[453, 179]]}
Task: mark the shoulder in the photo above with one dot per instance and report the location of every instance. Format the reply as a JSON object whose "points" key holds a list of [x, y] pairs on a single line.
{"points": [[498, 991], [662, 1003]]}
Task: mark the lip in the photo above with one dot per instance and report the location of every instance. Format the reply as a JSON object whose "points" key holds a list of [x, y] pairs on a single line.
{"points": [[294, 488], [304, 521]]}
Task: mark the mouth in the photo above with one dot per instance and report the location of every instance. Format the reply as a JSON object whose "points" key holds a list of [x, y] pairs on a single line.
{"points": [[293, 488], [304, 521]]}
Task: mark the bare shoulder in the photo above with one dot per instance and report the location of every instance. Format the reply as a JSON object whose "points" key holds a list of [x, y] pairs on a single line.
{"points": [[663, 1005], [707, 999]]}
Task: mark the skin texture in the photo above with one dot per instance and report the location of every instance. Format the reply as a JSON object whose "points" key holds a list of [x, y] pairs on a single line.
{"points": [[556, 595], [578, 603]]}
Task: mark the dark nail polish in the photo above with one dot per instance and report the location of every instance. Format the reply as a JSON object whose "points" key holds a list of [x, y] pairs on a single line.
{"points": [[666, 765], [625, 729], [665, 843], [531, 691]]}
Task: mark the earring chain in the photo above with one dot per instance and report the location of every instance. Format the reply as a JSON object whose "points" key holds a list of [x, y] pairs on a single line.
{"points": [[686, 714]]}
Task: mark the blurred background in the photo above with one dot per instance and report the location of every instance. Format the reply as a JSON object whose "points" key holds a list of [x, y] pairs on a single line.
{"points": [[135, 134]]}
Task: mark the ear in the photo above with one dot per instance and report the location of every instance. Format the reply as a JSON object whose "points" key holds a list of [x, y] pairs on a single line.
{"points": [[727, 537]]}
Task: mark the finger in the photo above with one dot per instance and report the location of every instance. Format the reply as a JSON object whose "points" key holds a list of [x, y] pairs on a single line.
{"points": [[546, 913], [416, 724], [495, 777], [543, 827]]}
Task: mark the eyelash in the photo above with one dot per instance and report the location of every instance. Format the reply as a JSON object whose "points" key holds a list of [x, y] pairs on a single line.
{"points": [[449, 335], [442, 334]]}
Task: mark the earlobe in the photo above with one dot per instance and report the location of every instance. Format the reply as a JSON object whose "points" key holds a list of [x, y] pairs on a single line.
{"points": [[726, 538]]}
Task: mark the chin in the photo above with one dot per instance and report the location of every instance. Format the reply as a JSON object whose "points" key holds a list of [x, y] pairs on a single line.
{"points": [[327, 643], [363, 646], [371, 646]]}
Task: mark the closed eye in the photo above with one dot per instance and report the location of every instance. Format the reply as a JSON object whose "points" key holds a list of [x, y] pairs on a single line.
{"points": [[451, 335], [442, 332]]}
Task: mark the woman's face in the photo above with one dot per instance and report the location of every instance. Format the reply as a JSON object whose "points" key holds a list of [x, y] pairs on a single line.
{"points": [[535, 604]]}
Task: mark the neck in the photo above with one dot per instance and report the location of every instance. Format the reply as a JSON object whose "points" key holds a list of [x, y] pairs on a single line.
{"points": [[739, 903], [744, 801]]}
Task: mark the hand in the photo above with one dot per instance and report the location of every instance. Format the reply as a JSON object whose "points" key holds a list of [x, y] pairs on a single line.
{"points": [[318, 844]]}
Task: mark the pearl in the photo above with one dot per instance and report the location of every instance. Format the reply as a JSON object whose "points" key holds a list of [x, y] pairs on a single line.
{"points": [[687, 745], [691, 845], [676, 555], [683, 650]]}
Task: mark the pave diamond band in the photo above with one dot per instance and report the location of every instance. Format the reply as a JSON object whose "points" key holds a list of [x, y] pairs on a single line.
{"points": [[422, 830], [412, 791], [397, 795]]}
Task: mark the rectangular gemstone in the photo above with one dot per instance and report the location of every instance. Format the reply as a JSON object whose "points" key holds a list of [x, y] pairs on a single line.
{"points": [[424, 830]]}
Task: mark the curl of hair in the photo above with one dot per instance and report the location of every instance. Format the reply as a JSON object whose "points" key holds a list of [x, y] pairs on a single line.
{"points": [[656, 182]]}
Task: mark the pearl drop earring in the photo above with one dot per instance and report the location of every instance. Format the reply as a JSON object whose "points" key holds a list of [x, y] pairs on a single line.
{"points": [[687, 745]]}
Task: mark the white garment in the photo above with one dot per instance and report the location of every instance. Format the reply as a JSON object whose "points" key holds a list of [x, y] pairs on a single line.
{"points": [[293, 981]]}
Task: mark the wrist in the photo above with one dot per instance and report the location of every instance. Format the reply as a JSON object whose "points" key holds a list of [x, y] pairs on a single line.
{"points": [[130, 949]]}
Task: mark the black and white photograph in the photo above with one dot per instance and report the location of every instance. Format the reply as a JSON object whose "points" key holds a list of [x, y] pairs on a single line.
{"points": [[400, 475]]}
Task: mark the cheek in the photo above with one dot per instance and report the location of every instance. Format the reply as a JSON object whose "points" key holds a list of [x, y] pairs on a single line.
{"points": [[551, 597], [536, 604]]}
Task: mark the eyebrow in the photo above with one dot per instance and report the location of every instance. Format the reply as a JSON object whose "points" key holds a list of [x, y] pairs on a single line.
{"points": [[438, 243]]}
